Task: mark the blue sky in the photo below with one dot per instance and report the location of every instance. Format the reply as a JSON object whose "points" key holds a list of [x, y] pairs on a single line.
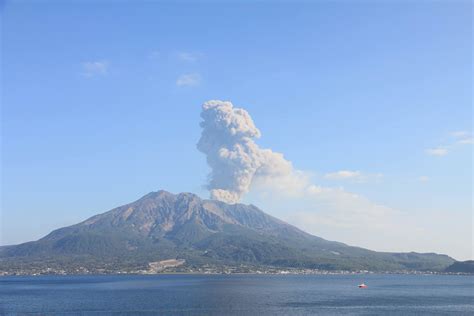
{"points": [[101, 105]]}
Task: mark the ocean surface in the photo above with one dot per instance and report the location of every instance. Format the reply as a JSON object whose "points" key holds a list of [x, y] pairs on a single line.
{"points": [[237, 295]]}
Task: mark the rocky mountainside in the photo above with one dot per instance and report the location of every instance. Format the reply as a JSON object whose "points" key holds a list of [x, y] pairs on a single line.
{"points": [[162, 226]]}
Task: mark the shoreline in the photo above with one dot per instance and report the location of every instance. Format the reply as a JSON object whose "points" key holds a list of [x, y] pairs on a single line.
{"points": [[424, 273]]}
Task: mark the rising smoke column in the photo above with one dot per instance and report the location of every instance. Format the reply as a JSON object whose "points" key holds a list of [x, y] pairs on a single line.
{"points": [[235, 159]]}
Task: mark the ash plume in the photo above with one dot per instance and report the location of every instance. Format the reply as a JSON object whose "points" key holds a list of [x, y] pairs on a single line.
{"points": [[235, 159]]}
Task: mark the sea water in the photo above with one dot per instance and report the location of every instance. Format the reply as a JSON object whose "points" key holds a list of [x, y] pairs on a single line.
{"points": [[237, 295]]}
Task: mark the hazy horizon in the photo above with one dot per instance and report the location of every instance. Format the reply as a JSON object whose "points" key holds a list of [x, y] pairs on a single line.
{"points": [[352, 122]]}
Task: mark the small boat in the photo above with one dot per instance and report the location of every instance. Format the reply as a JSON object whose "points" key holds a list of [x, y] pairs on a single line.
{"points": [[362, 286]]}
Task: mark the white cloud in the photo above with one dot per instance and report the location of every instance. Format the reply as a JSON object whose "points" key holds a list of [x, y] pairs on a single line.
{"points": [[439, 151], [455, 139], [192, 79], [320, 199], [466, 141], [336, 214], [354, 176], [311, 206], [463, 137], [189, 56], [330, 212], [343, 174], [95, 68], [423, 178], [366, 224], [458, 134]]}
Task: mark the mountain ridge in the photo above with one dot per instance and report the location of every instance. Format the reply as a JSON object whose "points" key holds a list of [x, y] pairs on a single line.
{"points": [[464, 267], [162, 225]]}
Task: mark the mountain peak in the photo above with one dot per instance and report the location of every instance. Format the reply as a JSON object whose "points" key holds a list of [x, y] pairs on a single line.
{"points": [[163, 225], [157, 194], [160, 194]]}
